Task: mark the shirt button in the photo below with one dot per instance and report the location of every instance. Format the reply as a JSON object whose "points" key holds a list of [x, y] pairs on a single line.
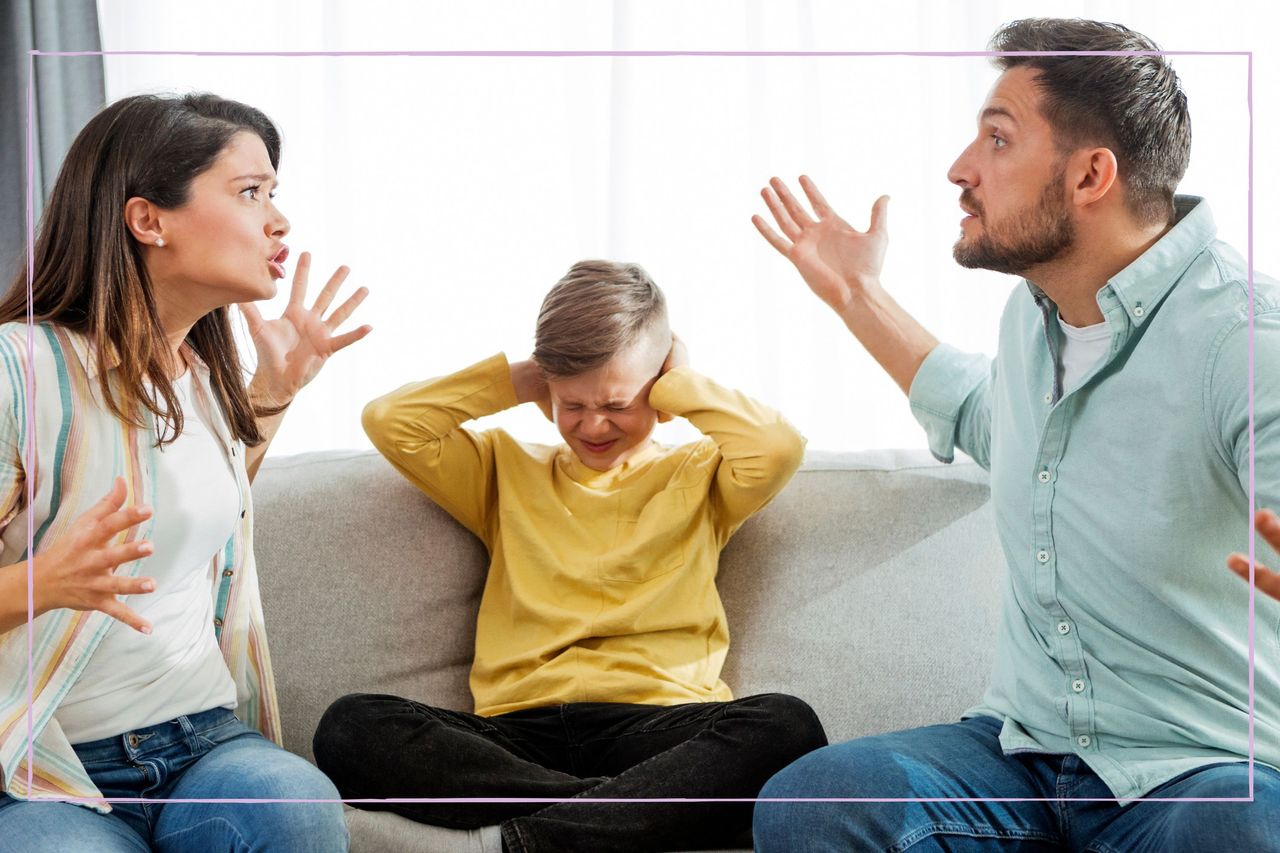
{"points": [[1078, 685], [217, 623], [1042, 556], [1044, 476], [1084, 741], [242, 513], [1048, 398], [1138, 311], [226, 573], [1064, 628]]}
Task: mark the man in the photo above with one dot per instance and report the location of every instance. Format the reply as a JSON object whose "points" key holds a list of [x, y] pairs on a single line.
{"points": [[1115, 423]]}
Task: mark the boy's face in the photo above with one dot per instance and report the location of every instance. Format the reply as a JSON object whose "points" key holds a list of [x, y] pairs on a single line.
{"points": [[604, 415]]}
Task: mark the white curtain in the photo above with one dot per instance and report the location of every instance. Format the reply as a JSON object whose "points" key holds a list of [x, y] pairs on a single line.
{"points": [[459, 189]]}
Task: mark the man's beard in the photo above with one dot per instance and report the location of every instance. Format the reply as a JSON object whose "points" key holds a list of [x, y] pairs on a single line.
{"points": [[1035, 236]]}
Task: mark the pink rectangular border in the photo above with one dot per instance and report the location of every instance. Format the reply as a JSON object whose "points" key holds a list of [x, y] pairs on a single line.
{"points": [[30, 389]]}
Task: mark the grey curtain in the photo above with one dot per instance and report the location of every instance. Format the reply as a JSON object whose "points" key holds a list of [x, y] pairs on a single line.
{"points": [[68, 91]]}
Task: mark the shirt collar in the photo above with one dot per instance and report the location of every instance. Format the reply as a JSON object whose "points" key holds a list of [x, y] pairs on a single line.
{"points": [[1140, 286]]}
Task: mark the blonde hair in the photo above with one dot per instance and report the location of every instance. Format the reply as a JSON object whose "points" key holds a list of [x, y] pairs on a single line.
{"points": [[599, 309]]}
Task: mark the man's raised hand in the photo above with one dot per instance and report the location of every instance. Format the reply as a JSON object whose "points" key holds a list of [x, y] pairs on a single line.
{"points": [[835, 259]]}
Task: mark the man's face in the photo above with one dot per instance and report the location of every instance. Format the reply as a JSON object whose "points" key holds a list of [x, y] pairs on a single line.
{"points": [[1012, 177], [604, 416]]}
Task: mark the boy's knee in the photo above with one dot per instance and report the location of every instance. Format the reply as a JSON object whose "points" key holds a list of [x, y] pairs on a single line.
{"points": [[343, 730], [794, 727]]}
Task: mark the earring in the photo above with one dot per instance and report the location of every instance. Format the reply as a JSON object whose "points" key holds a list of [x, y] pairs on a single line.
{"points": [[160, 242]]}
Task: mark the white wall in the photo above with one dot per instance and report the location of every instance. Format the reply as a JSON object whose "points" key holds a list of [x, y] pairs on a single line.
{"points": [[460, 188]]}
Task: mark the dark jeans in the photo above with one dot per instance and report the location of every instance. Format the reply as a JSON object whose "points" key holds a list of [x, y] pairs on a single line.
{"points": [[375, 746]]}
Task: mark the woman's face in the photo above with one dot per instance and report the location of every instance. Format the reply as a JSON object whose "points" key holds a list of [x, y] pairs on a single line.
{"points": [[225, 244]]}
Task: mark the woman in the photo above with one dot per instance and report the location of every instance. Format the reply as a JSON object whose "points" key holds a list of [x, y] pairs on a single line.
{"points": [[161, 218]]}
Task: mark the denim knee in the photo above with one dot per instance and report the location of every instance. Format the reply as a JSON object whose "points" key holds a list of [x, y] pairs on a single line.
{"points": [[831, 771], [35, 827], [310, 827], [1203, 826], [266, 773]]}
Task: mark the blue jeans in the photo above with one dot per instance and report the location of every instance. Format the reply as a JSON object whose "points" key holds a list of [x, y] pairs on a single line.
{"points": [[965, 760], [210, 755]]}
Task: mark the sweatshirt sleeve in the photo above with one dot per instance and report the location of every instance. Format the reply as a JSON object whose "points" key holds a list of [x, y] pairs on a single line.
{"points": [[418, 428], [759, 450]]}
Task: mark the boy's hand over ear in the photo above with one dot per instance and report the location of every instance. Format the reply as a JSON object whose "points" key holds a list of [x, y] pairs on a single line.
{"points": [[678, 356], [530, 386]]}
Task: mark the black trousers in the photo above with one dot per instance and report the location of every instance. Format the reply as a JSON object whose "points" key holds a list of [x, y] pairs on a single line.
{"points": [[376, 746]]}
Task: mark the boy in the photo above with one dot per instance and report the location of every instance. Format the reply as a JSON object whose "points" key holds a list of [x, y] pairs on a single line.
{"points": [[601, 635]]}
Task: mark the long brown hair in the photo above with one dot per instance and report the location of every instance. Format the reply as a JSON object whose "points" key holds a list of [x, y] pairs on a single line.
{"points": [[89, 274]]}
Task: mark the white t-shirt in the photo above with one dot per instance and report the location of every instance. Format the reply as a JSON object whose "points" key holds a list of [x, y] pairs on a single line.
{"points": [[135, 680], [1082, 348]]}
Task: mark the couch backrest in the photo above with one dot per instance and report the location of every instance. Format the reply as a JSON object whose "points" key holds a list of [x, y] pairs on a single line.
{"points": [[869, 588]]}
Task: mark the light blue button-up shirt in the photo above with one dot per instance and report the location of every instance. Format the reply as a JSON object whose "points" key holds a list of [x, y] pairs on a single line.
{"points": [[1123, 638]]}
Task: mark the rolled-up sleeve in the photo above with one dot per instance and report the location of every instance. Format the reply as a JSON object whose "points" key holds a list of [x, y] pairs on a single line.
{"points": [[950, 398]]}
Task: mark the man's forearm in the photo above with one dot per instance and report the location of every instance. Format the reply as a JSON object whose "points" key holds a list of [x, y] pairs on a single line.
{"points": [[893, 337]]}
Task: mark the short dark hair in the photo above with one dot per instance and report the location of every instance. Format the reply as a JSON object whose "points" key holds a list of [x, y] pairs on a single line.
{"points": [[1133, 105], [599, 309]]}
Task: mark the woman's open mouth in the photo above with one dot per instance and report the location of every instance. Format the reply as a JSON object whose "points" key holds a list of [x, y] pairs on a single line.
{"points": [[276, 262]]}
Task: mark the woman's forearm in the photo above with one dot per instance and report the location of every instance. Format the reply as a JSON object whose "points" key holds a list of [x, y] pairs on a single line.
{"points": [[13, 597], [267, 428]]}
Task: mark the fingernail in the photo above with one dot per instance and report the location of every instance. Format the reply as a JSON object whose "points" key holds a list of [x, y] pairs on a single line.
{"points": [[148, 586], [146, 548], [146, 629]]}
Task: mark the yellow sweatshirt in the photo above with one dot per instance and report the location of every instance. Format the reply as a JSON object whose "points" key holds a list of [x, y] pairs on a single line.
{"points": [[601, 585]]}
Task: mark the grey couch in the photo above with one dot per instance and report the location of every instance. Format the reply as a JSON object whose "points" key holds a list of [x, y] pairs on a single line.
{"points": [[869, 588]]}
